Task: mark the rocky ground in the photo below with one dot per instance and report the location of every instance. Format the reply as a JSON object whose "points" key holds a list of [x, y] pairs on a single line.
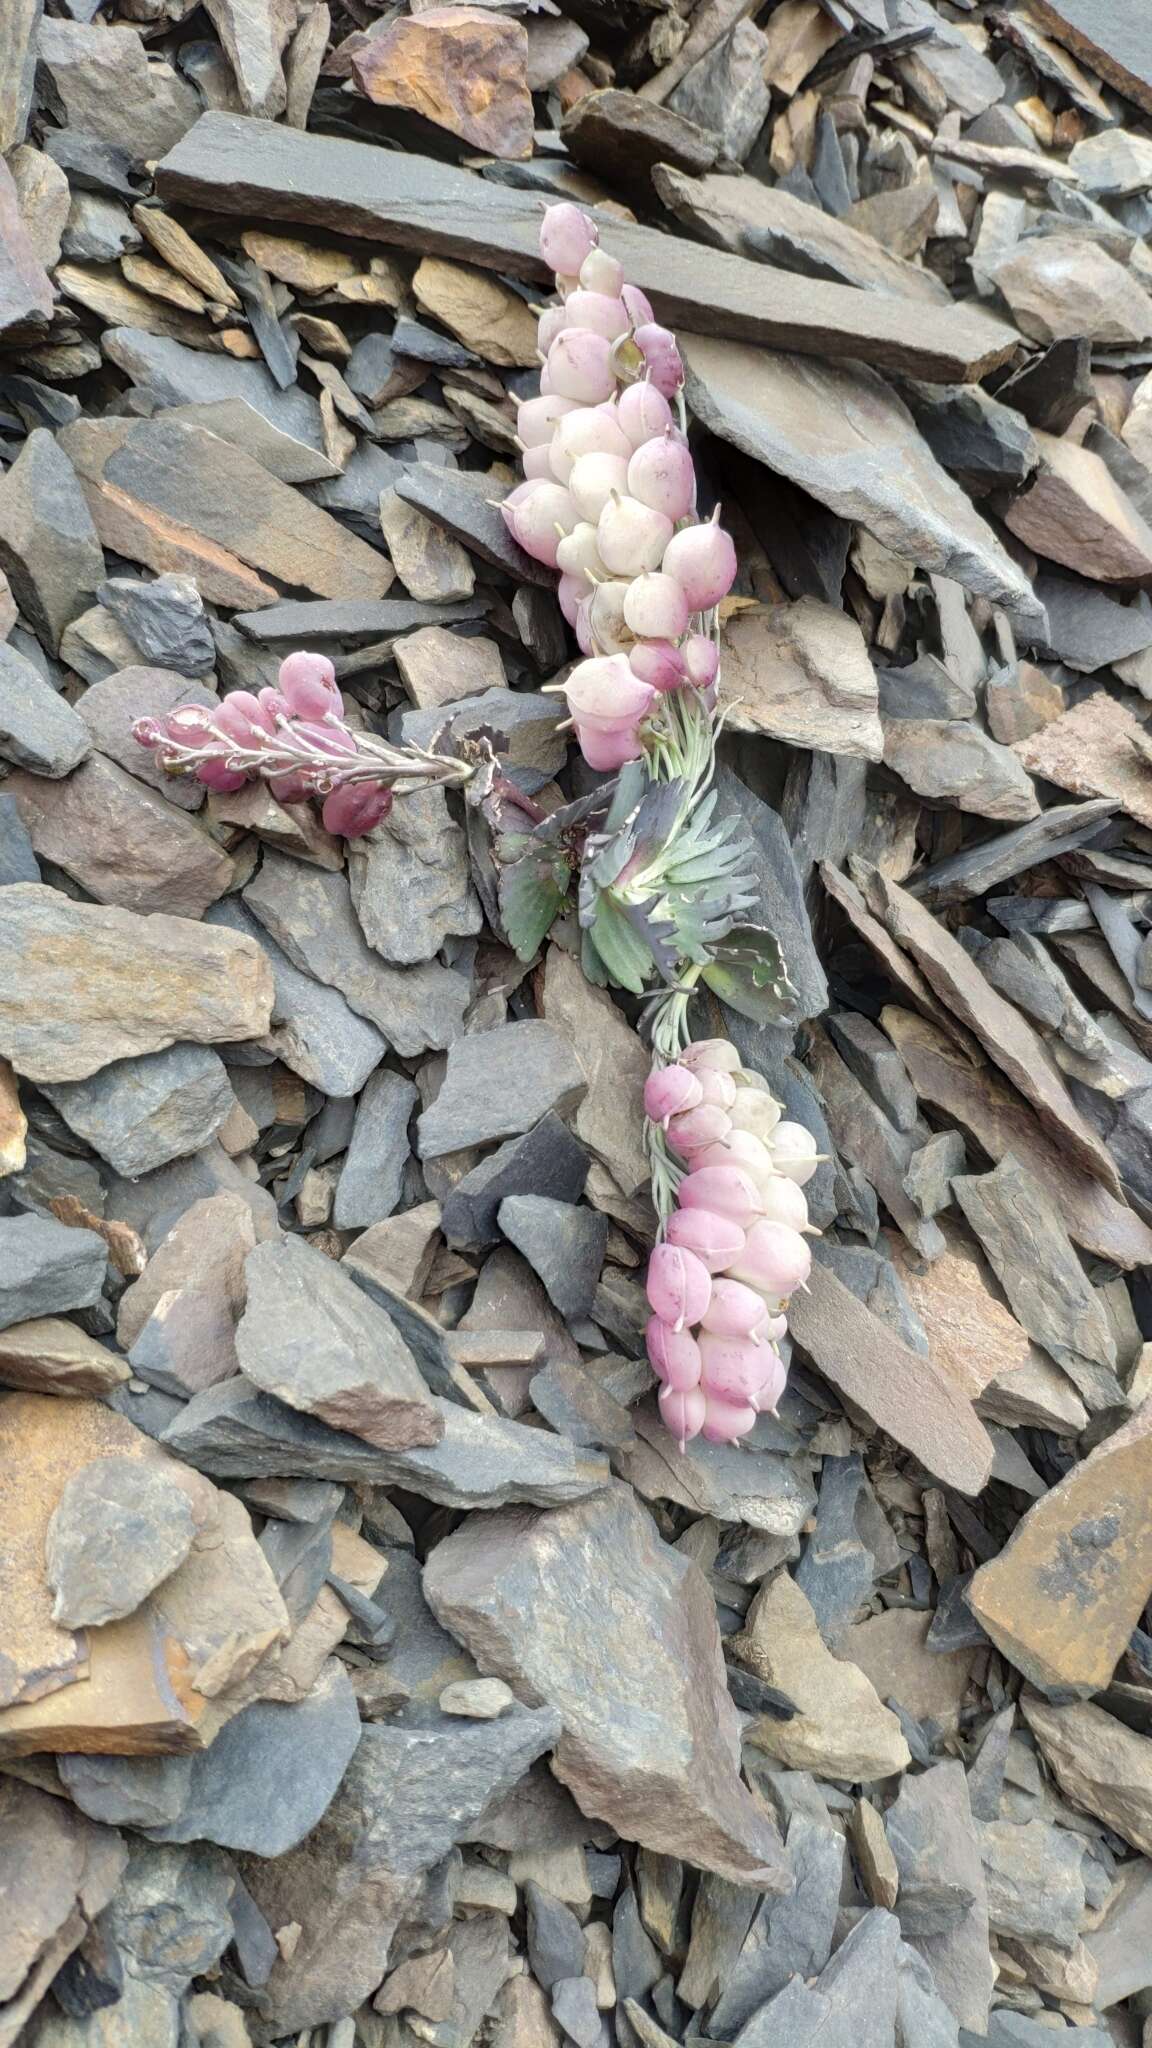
{"points": [[373, 1669]]}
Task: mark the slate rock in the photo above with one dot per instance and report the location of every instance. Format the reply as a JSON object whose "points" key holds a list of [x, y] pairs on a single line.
{"points": [[235, 1431], [725, 91], [410, 881], [1073, 512], [576, 2012], [49, 548], [309, 913], [836, 1568], [555, 1938], [841, 1729], [45, 1266], [937, 1850], [622, 137], [182, 376], [545, 1160], [18, 862], [1061, 287], [313, 1029], [310, 1336], [499, 1083], [578, 1407], [801, 673], [852, 2004], [1101, 1767], [788, 1936], [477, 1699], [123, 842], [1034, 1878], [166, 620], [117, 1531], [49, 1355], [464, 71], [25, 289], [140, 1113], [782, 904], [372, 1177], [951, 762], [38, 729], [564, 1244], [667, 1777], [106, 87], [110, 706], [170, 1916], [1008, 2029]]}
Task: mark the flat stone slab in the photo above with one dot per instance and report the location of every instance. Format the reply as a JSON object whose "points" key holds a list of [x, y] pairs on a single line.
{"points": [[234, 165]]}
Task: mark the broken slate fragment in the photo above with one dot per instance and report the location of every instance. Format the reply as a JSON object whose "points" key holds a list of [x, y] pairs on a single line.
{"points": [[545, 1160], [314, 1030], [49, 549], [649, 1737], [372, 1177], [166, 620], [840, 1729], [119, 1529], [140, 1113], [562, 1242], [38, 728], [310, 1336], [499, 1083], [1101, 1766], [123, 842], [943, 1901], [463, 70], [45, 1267]]}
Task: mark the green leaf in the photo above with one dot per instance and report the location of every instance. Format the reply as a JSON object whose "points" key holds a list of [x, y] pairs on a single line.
{"points": [[748, 973], [532, 891], [623, 952]]}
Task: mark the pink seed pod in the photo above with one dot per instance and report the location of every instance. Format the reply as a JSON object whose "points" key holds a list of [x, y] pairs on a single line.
{"points": [[578, 555], [605, 688], [599, 312], [732, 1367], [608, 751], [717, 1086], [538, 418], [703, 559], [701, 660], [726, 1190], [716, 1240], [537, 465], [587, 430], [592, 480], [736, 1311], [756, 1111], [571, 591], [552, 321], [657, 662], [711, 1052], [678, 1285], [582, 627], [698, 1131], [540, 520], [674, 1355], [149, 732], [784, 1202], [750, 1154], [656, 607], [682, 1414], [794, 1152], [725, 1422], [638, 303], [669, 1091], [580, 366], [662, 474], [289, 789], [274, 704], [356, 808], [606, 617], [600, 272], [631, 536], [643, 412], [567, 238], [215, 776], [775, 1259], [661, 357], [308, 685], [775, 1380]]}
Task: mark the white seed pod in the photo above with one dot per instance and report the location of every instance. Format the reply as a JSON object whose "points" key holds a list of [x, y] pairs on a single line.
{"points": [[632, 537]]}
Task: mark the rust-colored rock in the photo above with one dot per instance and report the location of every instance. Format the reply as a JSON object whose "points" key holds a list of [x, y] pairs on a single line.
{"points": [[1099, 1764], [460, 67], [1065, 1593], [1099, 748], [158, 1681], [13, 1123], [1074, 512], [50, 1355]]}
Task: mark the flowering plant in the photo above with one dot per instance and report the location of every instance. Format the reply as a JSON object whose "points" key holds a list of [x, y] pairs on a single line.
{"points": [[660, 884]]}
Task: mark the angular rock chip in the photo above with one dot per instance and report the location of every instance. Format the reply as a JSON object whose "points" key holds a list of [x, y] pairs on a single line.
{"points": [[1062, 1598], [254, 34], [1060, 287], [49, 548], [490, 318], [104, 85], [410, 881], [499, 1083], [372, 1177], [545, 1160], [38, 729], [953, 762], [116, 1533], [801, 673], [314, 1029], [82, 985], [841, 1729], [943, 1902], [563, 1243], [58, 1871], [649, 1739], [462, 68], [1097, 750], [846, 439], [48, 1355], [1074, 512], [1034, 1875], [45, 1266], [123, 842], [140, 1113], [310, 1336], [110, 706], [1100, 1765]]}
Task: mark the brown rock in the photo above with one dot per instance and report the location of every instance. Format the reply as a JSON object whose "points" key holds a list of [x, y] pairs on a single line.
{"points": [[1021, 704], [462, 68], [1074, 512], [102, 81], [800, 672], [17, 70], [987, 1109], [430, 564], [25, 288], [49, 549], [123, 842], [952, 761], [119, 304], [902, 219], [52, 1356], [1098, 1763], [302, 265], [1064, 1595], [43, 194], [650, 1738], [13, 1123], [155, 1682], [893, 1652], [877, 1864], [203, 1253], [1098, 748], [623, 139], [900, 1391], [254, 34], [176, 246], [439, 667], [1117, 45], [1006, 1036], [58, 1870], [480, 311], [169, 494], [975, 1341], [82, 985], [1060, 287], [609, 1120], [841, 1729]]}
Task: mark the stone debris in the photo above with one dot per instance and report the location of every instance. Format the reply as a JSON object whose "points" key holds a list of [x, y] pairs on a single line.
{"points": [[373, 1666]]}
